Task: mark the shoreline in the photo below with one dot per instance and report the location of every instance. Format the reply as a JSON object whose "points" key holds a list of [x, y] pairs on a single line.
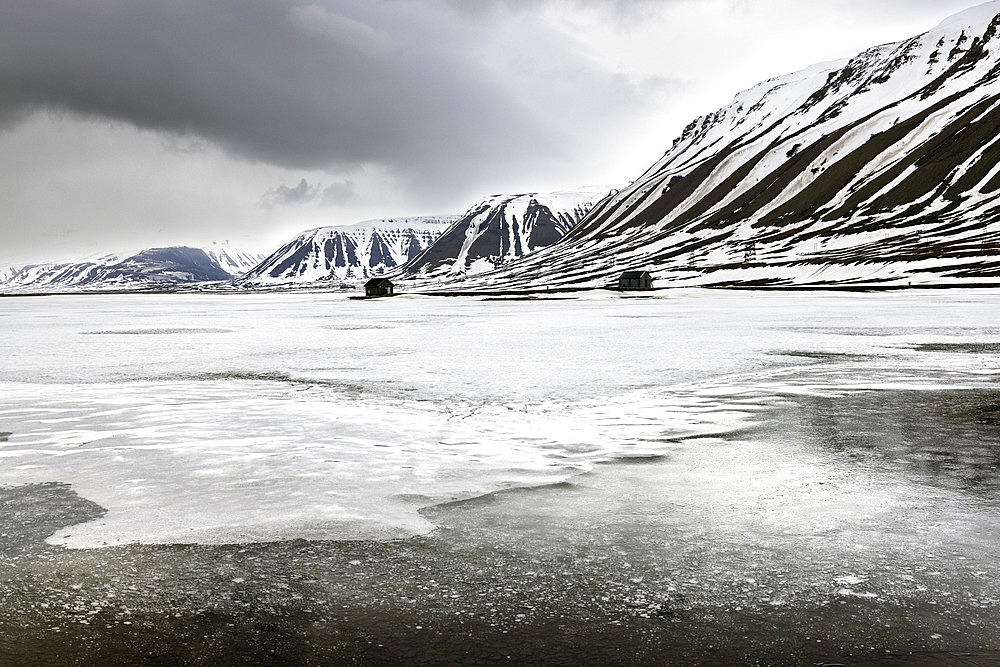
{"points": [[522, 293], [614, 566]]}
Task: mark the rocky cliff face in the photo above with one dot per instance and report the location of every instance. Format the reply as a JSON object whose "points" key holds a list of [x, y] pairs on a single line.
{"points": [[502, 229], [881, 169]]}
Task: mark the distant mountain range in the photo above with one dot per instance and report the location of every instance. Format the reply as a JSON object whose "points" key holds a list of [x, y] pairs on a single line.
{"points": [[492, 233], [155, 268], [879, 170], [498, 230]]}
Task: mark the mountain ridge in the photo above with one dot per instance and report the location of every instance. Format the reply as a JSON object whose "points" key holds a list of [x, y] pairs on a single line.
{"points": [[878, 169], [348, 253], [502, 229], [152, 268]]}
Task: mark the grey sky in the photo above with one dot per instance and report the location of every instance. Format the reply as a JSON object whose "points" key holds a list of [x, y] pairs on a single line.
{"points": [[127, 123]]}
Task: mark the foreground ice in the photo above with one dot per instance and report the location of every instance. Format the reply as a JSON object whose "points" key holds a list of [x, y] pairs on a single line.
{"points": [[247, 418]]}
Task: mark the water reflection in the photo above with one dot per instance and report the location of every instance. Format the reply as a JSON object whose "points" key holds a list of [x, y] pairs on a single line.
{"points": [[949, 439]]}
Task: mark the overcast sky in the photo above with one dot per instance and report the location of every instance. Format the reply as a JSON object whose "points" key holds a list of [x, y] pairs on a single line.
{"points": [[136, 123]]}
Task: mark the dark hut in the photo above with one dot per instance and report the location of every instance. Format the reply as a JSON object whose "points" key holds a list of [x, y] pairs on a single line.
{"points": [[378, 287], [635, 280]]}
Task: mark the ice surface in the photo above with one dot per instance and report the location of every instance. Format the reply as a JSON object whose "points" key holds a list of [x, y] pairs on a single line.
{"points": [[219, 418]]}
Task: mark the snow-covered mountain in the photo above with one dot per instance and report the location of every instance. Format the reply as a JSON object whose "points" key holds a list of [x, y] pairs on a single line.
{"points": [[503, 228], [492, 233], [155, 268], [347, 254], [233, 261], [881, 169]]}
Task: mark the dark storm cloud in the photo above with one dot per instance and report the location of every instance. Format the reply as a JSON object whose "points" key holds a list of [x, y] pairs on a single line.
{"points": [[437, 95], [293, 84], [617, 8]]}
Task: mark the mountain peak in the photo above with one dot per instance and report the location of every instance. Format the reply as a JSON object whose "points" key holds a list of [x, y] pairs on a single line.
{"points": [[880, 169], [347, 253], [503, 228], [975, 18]]}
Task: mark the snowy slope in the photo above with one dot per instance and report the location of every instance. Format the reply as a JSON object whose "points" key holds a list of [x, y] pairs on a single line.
{"points": [[502, 228], [349, 253], [881, 169], [148, 269], [233, 261]]}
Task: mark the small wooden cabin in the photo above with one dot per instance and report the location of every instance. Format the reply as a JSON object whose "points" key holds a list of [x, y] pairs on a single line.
{"points": [[635, 280], [378, 287]]}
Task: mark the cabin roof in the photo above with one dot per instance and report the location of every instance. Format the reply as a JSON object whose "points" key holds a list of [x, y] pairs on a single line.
{"points": [[378, 282], [634, 275]]}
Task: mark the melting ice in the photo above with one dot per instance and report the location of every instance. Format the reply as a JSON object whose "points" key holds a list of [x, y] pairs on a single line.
{"points": [[245, 418]]}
